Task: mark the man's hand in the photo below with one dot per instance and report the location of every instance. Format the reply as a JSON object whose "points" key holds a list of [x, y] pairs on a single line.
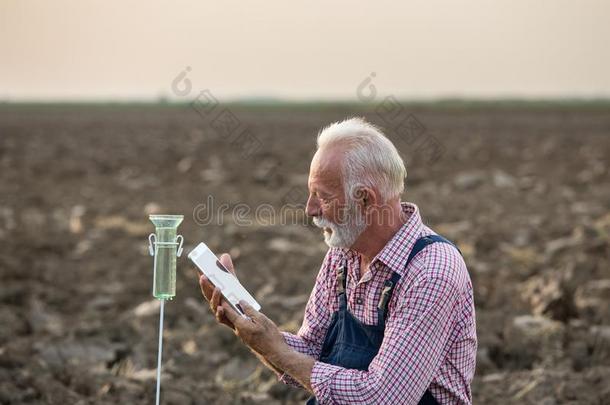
{"points": [[213, 294], [259, 332], [263, 337]]}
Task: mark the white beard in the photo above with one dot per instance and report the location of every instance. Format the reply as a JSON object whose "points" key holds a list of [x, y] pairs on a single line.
{"points": [[342, 235]]}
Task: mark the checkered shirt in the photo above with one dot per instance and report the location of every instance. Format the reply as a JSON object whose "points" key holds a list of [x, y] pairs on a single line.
{"points": [[430, 336]]}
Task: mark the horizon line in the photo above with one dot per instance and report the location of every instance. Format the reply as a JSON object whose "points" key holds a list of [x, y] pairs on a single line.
{"points": [[449, 102]]}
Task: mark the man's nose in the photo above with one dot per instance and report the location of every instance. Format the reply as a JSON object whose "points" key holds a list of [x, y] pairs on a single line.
{"points": [[313, 208]]}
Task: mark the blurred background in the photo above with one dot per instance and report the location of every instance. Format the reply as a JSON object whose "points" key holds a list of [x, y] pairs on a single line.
{"points": [[109, 113]]}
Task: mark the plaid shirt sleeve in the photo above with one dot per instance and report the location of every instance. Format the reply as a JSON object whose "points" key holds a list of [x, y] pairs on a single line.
{"points": [[416, 338], [310, 337]]}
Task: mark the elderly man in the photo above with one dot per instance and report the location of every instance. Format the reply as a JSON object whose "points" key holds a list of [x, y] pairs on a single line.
{"points": [[391, 317]]}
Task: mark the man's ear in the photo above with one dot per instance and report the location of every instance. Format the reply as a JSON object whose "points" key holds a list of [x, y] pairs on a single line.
{"points": [[369, 197]]}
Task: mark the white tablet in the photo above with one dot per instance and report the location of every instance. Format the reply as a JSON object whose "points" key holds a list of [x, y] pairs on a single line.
{"points": [[226, 282]]}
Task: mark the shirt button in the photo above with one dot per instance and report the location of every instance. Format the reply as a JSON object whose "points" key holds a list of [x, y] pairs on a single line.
{"points": [[359, 301]]}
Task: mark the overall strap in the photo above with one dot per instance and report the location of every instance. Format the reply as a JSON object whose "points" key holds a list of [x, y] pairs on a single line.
{"points": [[424, 241], [341, 283], [388, 287], [386, 294]]}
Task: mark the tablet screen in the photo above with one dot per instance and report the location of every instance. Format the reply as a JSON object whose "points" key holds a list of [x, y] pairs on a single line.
{"points": [[227, 283]]}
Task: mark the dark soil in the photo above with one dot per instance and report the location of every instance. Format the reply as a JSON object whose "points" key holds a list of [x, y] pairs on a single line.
{"points": [[524, 192]]}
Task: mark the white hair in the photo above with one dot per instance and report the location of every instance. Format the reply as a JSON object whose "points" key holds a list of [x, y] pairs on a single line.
{"points": [[371, 159]]}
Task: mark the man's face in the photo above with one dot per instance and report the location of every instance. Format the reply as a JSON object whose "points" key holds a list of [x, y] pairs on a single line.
{"points": [[338, 216]]}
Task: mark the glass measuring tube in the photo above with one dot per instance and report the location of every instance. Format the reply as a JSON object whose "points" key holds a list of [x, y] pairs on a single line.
{"points": [[165, 246]]}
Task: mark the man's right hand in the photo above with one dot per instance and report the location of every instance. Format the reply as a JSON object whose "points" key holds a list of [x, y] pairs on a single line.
{"points": [[213, 294], [214, 298]]}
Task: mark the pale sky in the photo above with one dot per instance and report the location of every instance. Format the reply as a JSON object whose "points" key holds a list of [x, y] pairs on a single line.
{"points": [[63, 49]]}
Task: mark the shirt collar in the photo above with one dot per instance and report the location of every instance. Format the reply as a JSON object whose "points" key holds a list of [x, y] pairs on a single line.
{"points": [[395, 253]]}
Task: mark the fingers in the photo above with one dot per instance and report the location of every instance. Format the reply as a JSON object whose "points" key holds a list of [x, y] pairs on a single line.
{"points": [[251, 312], [220, 315], [206, 287], [233, 317], [226, 261], [229, 313], [258, 317], [215, 301], [216, 307], [222, 318]]}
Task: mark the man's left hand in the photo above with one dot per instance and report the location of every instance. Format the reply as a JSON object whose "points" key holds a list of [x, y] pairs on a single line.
{"points": [[259, 332]]}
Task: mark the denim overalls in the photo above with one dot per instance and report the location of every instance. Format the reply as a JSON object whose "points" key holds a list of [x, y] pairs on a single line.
{"points": [[351, 344]]}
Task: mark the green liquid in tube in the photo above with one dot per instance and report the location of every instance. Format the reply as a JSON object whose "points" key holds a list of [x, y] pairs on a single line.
{"points": [[166, 246]]}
